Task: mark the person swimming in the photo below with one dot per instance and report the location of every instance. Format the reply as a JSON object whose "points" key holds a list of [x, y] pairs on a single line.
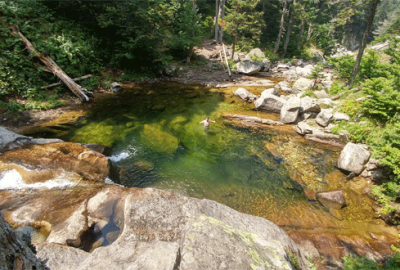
{"points": [[206, 122]]}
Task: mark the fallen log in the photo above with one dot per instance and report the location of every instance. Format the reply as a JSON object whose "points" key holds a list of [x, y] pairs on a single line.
{"points": [[316, 139], [60, 83], [78, 90], [254, 119]]}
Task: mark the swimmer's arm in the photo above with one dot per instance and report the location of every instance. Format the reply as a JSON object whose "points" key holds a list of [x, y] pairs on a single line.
{"points": [[202, 122]]}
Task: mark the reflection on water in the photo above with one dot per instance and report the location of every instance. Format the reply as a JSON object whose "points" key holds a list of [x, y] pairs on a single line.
{"points": [[158, 141]]}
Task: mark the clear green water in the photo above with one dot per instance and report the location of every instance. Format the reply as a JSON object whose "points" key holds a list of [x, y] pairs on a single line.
{"points": [[157, 140]]}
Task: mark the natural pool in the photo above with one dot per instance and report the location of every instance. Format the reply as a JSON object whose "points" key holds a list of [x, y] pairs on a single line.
{"points": [[156, 138]]}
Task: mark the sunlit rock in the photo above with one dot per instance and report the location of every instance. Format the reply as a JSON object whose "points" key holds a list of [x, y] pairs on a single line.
{"points": [[353, 158], [269, 103], [290, 110], [324, 118], [302, 84], [244, 94]]}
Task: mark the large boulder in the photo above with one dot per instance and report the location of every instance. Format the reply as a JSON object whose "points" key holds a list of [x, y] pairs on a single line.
{"points": [[338, 116], [248, 67], [290, 110], [244, 94], [302, 84], [156, 230], [324, 118], [270, 103], [308, 104], [353, 158], [270, 91]]}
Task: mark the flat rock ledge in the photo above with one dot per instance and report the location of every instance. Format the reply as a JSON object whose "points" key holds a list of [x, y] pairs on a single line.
{"points": [[159, 230]]}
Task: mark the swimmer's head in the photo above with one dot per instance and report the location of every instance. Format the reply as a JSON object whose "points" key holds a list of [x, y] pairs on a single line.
{"points": [[207, 117]]}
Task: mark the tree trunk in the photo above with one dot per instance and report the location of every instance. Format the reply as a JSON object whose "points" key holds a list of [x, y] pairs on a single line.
{"points": [[191, 49], [78, 90], [221, 15], [310, 30], [363, 42], [288, 33], [278, 41], [216, 20], [303, 21]]}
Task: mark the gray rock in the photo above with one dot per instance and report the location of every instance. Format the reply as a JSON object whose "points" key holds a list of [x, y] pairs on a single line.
{"points": [[321, 94], [247, 67], [303, 128], [256, 52], [244, 94], [324, 118], [338, 116], [115, 87], [282, 67], [270, 103], [302, 84], [353, 158], [309, 115], [165, 231], [290, 73], [327, 84], [7, 136], [270, 91], [284, 86], [308, 104], [327, 101], [290, 110]]}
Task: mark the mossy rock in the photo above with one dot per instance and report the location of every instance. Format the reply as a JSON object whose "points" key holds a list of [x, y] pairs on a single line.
{"points": [[160, 141], [144, 165]]}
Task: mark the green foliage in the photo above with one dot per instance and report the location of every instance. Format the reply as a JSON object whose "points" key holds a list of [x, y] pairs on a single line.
{"points": [[244, 23], [67, 43], [359, 263], [336, 88], [363, 263], [385, 101], [309, 93], [319, 67], [343, 65]]}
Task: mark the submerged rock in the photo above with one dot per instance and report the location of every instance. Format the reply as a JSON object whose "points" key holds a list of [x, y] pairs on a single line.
{"points": [[244, 94], [332, 199], [157, 139]]}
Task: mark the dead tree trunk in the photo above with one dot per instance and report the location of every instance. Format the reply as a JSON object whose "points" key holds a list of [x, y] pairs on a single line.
{"points": [[278, 41], [78, 90]]}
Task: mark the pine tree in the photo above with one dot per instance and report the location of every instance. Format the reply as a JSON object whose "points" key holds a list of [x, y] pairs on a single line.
{"points": [[244, 23]]}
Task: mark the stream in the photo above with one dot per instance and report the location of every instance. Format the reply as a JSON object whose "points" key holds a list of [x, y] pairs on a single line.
{"points": [[274, 173]]}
